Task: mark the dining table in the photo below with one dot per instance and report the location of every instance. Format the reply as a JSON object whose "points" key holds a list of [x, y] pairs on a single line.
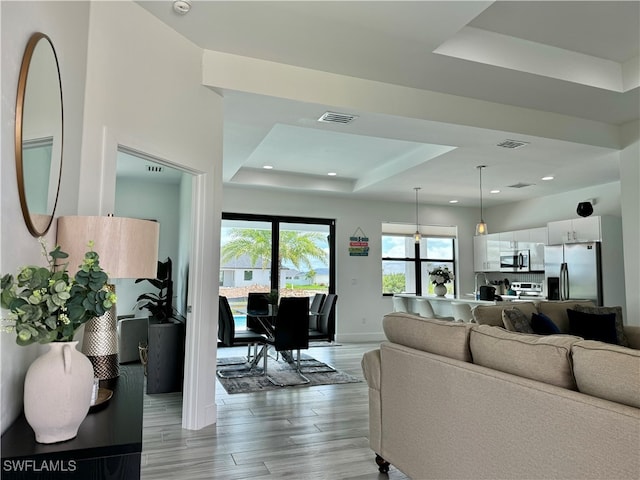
{"points": [[268, 323]]}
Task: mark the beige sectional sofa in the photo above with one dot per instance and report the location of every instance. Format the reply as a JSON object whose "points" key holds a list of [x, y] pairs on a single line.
{"points": [[451, 400]]}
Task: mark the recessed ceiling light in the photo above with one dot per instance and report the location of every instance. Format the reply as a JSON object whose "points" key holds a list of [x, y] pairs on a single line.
{"points": [[494, 191], [453, 201], [547, 178], [267, 167], [332, 174]]}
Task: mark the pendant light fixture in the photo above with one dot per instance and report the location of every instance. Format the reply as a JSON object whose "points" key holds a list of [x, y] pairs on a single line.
{"points": [[481, 228], [417, 236]]}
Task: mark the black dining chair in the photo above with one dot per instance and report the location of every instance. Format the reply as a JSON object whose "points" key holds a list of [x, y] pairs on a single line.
{"points": [[228, 337], [326, 326], [314, 310], [291, 330], [257, 306]]}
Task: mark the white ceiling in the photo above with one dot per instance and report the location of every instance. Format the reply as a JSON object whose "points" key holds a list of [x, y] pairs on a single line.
{"points": [[575, 58]]}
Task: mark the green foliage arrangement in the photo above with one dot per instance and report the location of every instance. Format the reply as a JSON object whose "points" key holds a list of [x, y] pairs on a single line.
{"points": [[394, 283], [47, 304]]}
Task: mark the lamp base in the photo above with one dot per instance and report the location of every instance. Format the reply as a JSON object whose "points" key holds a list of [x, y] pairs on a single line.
{"points": [[100, 344]]}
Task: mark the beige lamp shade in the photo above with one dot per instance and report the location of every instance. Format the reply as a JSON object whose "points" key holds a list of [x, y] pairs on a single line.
{"points": [[128, 247]]}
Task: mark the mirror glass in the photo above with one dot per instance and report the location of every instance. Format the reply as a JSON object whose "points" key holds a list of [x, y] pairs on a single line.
{"points": [[39, 133]]}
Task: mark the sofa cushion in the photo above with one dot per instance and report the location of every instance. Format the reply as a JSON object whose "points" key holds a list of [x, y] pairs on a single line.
{"points": [[492, 314], [442, 337], [516, 321], [543, 358], [622, 338], [607, 371], [592, 326], [543, 325], [556, 310]]}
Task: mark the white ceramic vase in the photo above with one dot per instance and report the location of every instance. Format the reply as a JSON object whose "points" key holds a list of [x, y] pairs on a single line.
{"points": [[57, 392], [440, 290]]}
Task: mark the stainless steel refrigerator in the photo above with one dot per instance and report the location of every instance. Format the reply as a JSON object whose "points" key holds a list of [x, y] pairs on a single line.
{"points": [[573, 271]]}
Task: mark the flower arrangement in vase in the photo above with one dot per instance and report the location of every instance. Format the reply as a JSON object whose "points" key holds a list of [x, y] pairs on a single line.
{"points": [[47, 305], [439, 276]]}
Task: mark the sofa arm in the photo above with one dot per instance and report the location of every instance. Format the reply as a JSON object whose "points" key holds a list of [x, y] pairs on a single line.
{"points": [[633, 335], [371, 367]]}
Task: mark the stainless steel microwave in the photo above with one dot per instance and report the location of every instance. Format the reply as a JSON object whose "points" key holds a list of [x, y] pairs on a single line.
{"points": [[517, 261]]}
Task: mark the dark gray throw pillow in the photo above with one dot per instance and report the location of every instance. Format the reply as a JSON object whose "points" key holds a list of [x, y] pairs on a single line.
{"points": [[620, 335], [516, 321]]}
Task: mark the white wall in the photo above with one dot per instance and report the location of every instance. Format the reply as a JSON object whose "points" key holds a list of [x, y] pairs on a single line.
{"points": [[538, 211], [135, 64], [361, 305], [630, 175], [66, 23], [149, 201]]}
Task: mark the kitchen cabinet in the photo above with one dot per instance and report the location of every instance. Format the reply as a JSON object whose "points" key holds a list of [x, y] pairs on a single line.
{"points": [[522, 239], [480, 253], [538, 238], [487, 248], [507, 241], [575, 230], [486, 253]]}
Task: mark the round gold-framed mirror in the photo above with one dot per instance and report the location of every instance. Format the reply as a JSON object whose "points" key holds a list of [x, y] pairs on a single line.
{"points": [[39, 133]]}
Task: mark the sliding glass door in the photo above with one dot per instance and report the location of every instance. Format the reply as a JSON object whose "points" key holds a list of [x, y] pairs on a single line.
{"points": [[303, 249]]}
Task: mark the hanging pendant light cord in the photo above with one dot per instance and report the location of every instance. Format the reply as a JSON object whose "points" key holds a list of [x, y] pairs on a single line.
{"points": [[416, 189], [481, 213]]}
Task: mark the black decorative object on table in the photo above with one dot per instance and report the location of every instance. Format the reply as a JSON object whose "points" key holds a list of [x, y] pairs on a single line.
{"points": [[108, 444]]}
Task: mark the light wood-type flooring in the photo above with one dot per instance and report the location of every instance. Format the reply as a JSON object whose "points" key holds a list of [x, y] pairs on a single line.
{"points": [[307, 433]]}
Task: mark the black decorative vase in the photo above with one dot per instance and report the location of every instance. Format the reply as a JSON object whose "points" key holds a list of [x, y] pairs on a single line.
{"points": [[584, 209]]}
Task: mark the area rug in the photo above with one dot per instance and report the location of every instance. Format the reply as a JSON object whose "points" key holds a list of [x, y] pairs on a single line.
{"points": [[317, 372]]}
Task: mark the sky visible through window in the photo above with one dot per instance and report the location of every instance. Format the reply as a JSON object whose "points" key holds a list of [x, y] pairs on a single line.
{"points": [[395, 247]]}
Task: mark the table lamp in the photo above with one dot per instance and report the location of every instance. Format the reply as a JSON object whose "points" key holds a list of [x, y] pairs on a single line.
{"points": [[128, 248]]}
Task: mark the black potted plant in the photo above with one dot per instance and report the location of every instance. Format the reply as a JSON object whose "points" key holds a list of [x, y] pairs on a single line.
{"points": [[159, 304], [166, 335]]}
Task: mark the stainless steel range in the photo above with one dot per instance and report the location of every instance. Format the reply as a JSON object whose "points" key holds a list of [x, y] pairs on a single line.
{"points": [[527, 290]]}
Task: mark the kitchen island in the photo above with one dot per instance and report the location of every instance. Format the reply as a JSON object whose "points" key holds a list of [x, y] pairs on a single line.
{"points": [[442, 306]]}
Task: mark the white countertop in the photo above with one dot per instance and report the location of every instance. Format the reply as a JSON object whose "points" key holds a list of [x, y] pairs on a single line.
{"points": [[469, 298], [452, 298]]}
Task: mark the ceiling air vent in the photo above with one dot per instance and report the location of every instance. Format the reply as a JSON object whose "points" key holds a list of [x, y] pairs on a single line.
{"points": [[333, 117], [520, 185], [154, 168], [512, 144]]}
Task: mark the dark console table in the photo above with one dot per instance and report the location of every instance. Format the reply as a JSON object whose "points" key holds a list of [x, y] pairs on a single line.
{"points": [[108, 445]]}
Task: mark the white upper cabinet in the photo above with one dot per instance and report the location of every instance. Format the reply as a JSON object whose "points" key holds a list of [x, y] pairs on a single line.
{"points": [[487, 248], [486, 253], [480, 253], [538, 238], [508, 241], [493, 252], [575, 231]]}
